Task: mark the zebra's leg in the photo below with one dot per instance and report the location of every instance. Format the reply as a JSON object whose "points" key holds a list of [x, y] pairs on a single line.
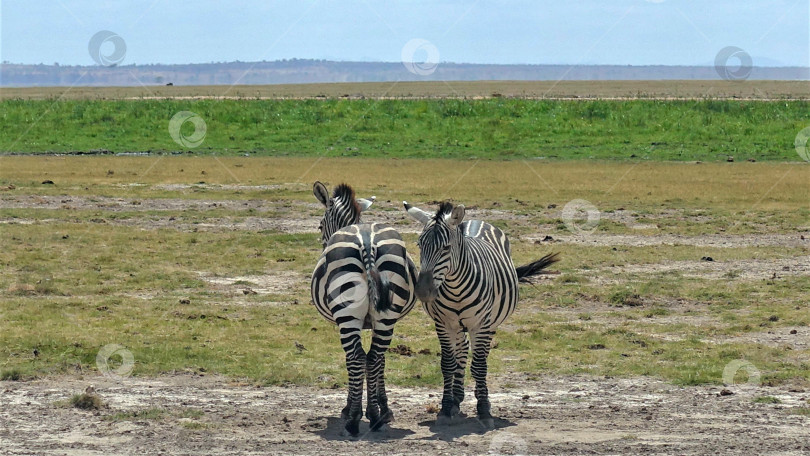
{"points": [[356, 366], [448, 341], [386, 415], [462, 351], [377, 410], [481, 340]]}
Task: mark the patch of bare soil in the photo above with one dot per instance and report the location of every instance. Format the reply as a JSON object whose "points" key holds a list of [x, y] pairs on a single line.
{"points": [[704, 240], [795, 337], [748, 269], [277, 283], [549, 415], [105, 203]]}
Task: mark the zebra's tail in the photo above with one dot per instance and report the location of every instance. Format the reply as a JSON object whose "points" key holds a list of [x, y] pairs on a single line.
{"points": [[378, 293], [537, 267]]}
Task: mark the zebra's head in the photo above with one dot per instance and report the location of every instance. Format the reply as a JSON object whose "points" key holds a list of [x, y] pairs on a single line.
{"points": [[439, 246], [342, 209]]}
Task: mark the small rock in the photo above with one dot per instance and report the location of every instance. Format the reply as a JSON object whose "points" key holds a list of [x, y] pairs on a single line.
{"points": [[725, 392], [793, 331], [551, 206], [706, 258], [47, 182], [248, 291], [185, 301]]}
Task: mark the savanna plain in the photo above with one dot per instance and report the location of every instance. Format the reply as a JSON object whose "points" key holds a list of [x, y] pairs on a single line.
{"points": [[677, 321]]}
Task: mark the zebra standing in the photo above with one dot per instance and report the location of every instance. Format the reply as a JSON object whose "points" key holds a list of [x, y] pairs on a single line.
{"points": [[467, 283], [364, 279]]}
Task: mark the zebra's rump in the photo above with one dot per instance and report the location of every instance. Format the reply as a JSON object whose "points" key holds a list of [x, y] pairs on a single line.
{"points": [[340, 282]]}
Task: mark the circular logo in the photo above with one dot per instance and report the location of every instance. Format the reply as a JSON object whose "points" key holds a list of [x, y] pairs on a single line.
{"points": [[737, 72], [580, 216], [420, 57], [346, 289], [192, 140], [111, 58], [801, 144], [105, 355], [731, 370]]}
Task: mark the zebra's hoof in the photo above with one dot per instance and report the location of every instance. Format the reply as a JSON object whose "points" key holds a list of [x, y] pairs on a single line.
{"points": [[446, 419], [380, 423], [487, 423], [352, 429]]}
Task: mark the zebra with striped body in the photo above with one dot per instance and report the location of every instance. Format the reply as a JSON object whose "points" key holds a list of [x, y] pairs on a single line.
{"points": [[467, 284], [364, 279]]}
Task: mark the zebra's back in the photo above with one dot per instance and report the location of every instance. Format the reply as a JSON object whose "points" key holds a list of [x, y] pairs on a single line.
{"points": [[340, 288]]}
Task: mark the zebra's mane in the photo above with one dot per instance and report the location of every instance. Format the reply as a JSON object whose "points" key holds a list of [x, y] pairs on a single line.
{"points": [[445, 208], [346, 193]]}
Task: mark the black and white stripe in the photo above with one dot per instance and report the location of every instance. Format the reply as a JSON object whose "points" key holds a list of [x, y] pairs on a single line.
{"points": [[364, 279], [469, 286]]}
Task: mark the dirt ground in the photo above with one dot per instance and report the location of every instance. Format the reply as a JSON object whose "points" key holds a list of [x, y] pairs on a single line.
{"points": [[546, 415]]}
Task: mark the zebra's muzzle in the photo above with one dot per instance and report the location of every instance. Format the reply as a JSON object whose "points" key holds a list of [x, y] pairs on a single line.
{"points": [[426, 289]]}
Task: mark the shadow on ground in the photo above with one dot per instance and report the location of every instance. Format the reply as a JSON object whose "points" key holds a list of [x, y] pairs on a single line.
{"points": [[334, 431]]}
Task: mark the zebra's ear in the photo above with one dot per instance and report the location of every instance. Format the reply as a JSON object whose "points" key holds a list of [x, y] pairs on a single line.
{"points": [[418, 214], [457, 216], [321, 193], [366, 203]]}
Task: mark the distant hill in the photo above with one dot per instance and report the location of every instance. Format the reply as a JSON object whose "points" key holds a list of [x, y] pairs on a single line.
{"points": [[321, 71]]}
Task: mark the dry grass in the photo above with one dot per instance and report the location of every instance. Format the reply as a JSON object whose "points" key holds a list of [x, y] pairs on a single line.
{"points": [[434, 89], [733, 186]]}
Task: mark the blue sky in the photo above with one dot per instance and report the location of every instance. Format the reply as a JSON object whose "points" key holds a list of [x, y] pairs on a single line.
{"points": [[624, 32]]}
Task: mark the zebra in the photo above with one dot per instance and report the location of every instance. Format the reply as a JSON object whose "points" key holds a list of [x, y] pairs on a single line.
{"points": [[467, 284], [364, 279]]}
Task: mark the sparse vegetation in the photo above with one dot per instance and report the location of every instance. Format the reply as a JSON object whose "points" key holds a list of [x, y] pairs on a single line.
{"points": [[11, 375], [139, 275], [87, 401], [803, 411]]}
